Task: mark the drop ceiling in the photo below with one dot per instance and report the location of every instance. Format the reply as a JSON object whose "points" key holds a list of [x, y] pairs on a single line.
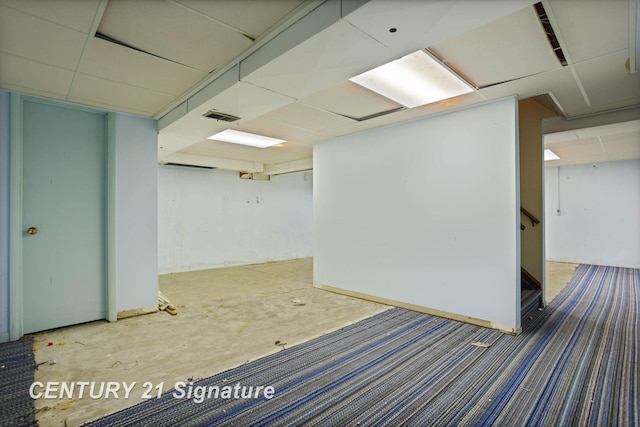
{"points": [[283, 66], [620, 141]]}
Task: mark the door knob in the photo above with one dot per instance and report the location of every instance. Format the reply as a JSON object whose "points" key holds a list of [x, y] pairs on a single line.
{"points": [[32, 230]]}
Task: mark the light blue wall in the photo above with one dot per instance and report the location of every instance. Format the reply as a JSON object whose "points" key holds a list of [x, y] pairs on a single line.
{"points": [[136, 217], [4, 215], [133, 209]]}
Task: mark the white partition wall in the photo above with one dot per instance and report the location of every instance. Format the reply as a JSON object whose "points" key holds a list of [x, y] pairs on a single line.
{"points": [[599, 220], [211, 219], [425, 214]]}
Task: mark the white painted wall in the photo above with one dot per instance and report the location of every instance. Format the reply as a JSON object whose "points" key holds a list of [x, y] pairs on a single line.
{"points": [[4, 215], [599, 220], [212, 218], [425, 213], [136, 202]]}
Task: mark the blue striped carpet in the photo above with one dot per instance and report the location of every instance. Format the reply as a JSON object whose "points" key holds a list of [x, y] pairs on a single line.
{"points": [[17, 365], [575, 364]]}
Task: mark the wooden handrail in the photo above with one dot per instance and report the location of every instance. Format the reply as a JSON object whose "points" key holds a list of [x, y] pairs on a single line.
{"points": [[529, 215]]}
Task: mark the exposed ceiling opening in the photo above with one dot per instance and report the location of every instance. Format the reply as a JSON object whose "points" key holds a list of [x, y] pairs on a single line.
{"points": [[106, 38], [372, 116], [184, 165], [551, 34]]}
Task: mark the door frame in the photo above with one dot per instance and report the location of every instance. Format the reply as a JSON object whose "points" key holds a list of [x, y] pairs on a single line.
{"points": [[16, 209]]}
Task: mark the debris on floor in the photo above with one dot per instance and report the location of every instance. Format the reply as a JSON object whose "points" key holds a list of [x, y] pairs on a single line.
{"points": [[297, 303], [481, 344], [165, 305], [280, 344]]}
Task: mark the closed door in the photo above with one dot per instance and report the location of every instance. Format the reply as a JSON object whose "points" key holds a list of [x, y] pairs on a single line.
{"points": [[64, 255]]}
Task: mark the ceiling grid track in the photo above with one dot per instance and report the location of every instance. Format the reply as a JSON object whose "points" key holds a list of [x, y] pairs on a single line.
{"points": [[280, 27], [212, 19], [563, 46], [102, 6]]}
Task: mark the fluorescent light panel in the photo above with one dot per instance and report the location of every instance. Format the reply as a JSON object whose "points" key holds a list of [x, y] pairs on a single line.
{"points": [[246, 138], [550, 155], [413, 80]]}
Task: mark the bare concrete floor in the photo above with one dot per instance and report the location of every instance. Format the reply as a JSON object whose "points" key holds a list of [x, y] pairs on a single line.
{"points": [[558, 275], [226, 317]]}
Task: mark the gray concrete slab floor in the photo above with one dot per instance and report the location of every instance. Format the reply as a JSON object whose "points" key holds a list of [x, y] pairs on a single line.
{"points": [[226, 317]]}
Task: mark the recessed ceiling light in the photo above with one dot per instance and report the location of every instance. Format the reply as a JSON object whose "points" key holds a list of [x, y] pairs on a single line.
{"points": [[245, 138], [550, 155], [413, 80]]}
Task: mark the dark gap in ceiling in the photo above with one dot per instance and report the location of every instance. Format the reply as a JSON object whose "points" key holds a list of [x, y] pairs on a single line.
{"points": [[551, 35], [217, 115], [184, 165], [371, 116], [128, 46], [510, 80]]}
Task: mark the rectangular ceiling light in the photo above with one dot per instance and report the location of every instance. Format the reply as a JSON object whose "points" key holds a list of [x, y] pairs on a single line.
{"points": [[245, 138], [413, 80], [550, 155]]}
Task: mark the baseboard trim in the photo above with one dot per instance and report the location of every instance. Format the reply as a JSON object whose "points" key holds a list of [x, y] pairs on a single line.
{"points": [[421, 309], [136, 312]]}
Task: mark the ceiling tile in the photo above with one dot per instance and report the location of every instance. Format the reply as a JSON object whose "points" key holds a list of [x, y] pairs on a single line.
{"points": [[555, 137], [615, 105], [275, 129], [423, 23], [606, 79], [560, 82], [611, 129], [118, 63], [33, 76], [580, 160], [307, 117], [253, 17], [169, 143], [118, 96], [633, 136], [216, 148], [387, 119], [512, 47], [351, 100], [329, 57], [78, 15], [448, 104], [279, 154], [571, 143], [592, 29], [629, 144], [244, 100], [196, 127], [581, 150], [172, 32], [34, 38]]}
